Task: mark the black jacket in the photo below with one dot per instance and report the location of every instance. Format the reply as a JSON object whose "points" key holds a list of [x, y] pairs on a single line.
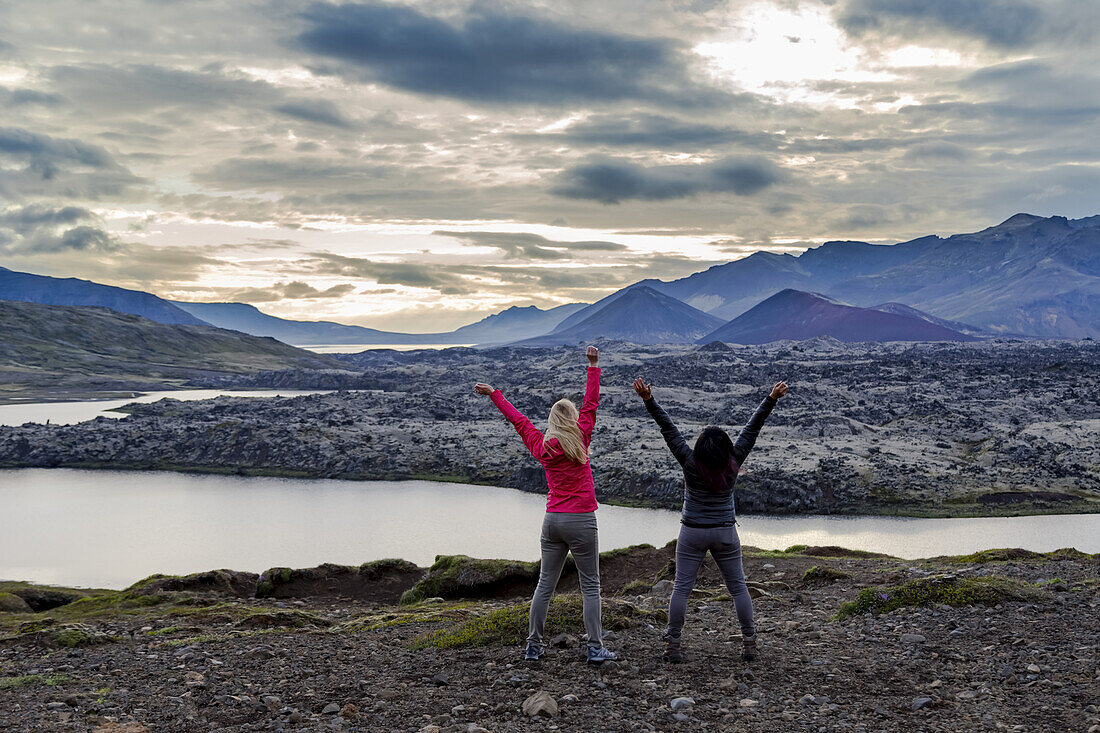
{"points": [[703, 505]]}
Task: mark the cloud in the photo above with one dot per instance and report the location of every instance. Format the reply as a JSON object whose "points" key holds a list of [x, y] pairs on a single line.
{"points": [[1003, 24], [58, 166], [45, 155], [611, 181], [286, 291], [495, 57], [43, 229], [653, 131], [26, 97], [320, 111], [523, 245]]}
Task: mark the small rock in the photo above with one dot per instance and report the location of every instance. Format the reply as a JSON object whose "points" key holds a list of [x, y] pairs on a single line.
{"points": [[682, 703], [680, 717], [1033, 669], [540, 703], [564, 641], [661, 589], [748, 702], [440, 680], [919, 703], [295, 717], [331, 709], [349, 712], [967, 695], [912, 639]]}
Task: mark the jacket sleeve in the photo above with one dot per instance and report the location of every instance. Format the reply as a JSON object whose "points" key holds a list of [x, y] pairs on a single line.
{"points": [[531, 436], [747, 439], [587, 418], [669, 431]]}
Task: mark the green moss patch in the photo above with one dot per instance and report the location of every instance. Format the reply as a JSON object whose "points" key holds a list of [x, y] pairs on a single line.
{"points": [[508, 625], [822, 575], [1004, 554], [32, 680], [950, 590]]}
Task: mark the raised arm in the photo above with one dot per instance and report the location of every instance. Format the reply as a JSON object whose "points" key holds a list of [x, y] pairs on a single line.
{"points": [[747, 439], [673, 438], [587, 418], [530, 435]]}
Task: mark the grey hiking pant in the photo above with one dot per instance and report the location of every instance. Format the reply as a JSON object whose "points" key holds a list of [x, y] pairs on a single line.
{"points": [[563, 534], [691, 549]]}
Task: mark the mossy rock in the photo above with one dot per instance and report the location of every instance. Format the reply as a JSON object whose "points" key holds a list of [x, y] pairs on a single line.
{"points": [[11, 603], [381, 581], [460, 576], [947, 589], [1071, 553], [1003, 554], [636, 588], [508, 625], [822, 575], [231, 583]]}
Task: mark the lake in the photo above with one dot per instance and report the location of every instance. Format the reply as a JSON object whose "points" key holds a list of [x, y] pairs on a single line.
{"points": [[111, 528], [68, 413]]}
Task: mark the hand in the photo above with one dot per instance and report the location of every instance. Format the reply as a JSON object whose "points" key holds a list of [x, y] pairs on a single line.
{"points": [[779, 390], [644, 390], [593, 355], [482, 388]]}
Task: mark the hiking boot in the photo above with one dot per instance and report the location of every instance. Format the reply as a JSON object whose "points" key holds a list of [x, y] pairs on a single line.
{"points": [[748, 650], [534, 651], [672, 654], [599, 655]]}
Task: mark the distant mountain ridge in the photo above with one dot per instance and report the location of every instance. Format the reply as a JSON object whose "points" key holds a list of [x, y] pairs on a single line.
{"points": [[508, 325], [639, 314], [796, 315], [28, 288]]}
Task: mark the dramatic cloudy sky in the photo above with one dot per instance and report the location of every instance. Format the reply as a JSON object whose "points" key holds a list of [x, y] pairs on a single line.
{"points": [[417, 166]]}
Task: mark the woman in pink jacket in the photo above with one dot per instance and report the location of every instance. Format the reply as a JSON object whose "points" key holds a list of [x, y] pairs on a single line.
{"points": [[570, 522]]}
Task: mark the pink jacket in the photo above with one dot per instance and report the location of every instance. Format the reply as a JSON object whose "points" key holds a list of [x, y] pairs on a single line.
{"points": [[572, 490]]}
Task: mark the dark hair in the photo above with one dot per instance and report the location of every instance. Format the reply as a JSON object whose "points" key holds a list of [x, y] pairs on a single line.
{"points": [[714, 457]]}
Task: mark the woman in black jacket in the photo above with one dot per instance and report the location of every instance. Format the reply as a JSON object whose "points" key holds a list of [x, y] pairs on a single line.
{"points": [[707, 521]]}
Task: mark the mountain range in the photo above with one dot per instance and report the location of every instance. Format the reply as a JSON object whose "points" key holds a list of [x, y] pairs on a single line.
{"points": [[1028, 276]]}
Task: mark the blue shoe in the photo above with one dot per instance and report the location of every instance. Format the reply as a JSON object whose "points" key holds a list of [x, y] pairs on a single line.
{"points": [[599, 655], [534, 651]]}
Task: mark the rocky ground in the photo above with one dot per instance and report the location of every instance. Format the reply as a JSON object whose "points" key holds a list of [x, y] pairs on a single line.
{"points": [[1001, 427], [328, 649]]}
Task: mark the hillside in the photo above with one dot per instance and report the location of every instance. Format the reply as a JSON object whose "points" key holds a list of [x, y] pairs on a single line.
{"points": [[796, 315], [640, 315], [23, 286], [69, 350]]}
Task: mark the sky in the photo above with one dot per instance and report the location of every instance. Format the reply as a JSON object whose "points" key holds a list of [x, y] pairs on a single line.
{"points": [[418, 166]]}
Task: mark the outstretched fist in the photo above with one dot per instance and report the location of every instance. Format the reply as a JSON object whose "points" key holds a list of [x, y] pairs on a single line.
{"points": [[482, 388], [644, 390], [593, 355], [779, 390]]}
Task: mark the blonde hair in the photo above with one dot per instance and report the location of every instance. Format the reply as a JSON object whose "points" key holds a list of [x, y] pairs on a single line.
{"points": [[562, 425]]}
